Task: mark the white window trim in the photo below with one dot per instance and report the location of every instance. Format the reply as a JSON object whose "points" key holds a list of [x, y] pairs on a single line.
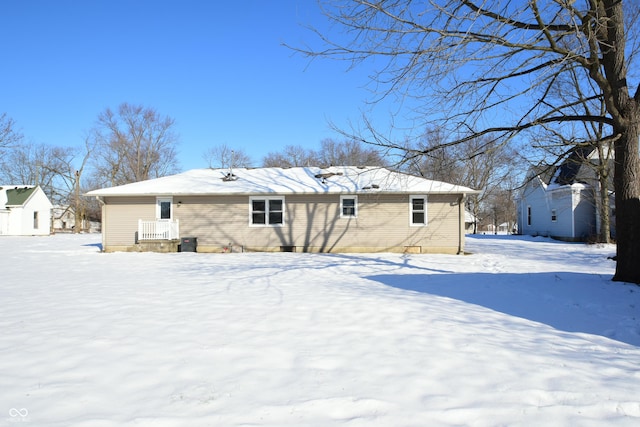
{"points": [[355, 207], [554, 215], [426, 216], [164, 199], [266, 199]]}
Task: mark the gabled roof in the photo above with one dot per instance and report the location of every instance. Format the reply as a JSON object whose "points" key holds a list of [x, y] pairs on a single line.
{"points": [[14, 195], [567, 173], [568, 170], [297, 180], [543, 172]]}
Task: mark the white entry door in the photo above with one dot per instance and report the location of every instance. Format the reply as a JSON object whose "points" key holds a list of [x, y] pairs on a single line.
{"points": [[164, 214], [164, 209]]}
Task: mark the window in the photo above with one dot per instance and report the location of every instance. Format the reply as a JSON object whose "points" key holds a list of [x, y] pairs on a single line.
{"points": [[418, 207], [35, 220], [554, 216], [163, 208], [348, 206], [528, 215], [267, 211]]}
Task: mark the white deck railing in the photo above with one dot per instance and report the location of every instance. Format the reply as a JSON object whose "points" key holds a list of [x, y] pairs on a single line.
{"points": [[158, 230]]}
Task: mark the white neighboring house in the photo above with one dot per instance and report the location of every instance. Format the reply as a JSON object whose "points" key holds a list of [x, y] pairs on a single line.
{"points": [[24, 211], [561, 202], [500, 229], [470, 222], [63, 218]]}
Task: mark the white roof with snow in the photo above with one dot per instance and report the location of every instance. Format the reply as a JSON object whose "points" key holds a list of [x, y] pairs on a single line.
{"points": [[297, 180]]}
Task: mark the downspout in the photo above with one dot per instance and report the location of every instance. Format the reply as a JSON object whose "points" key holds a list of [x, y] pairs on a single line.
{"points": [[102, 221], [461, 225]]}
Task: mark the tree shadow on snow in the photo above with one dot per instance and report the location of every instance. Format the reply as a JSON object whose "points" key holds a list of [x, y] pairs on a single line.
{"points": [[571, 302]]}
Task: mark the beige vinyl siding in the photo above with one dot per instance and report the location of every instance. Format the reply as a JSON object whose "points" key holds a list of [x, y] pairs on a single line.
{"points": [[311, 223], [215, 221], [446, 224], [377, 218], [383, 222], [122, 216]]}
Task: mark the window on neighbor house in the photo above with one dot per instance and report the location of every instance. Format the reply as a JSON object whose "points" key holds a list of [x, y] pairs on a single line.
{"points": [[267, 211], [418, 207], [348, 206], [35, 220], [528, 215], [554, 217]]}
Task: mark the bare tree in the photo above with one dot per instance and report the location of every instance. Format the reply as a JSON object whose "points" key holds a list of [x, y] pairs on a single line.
{"points": [[349, 152], [590, 156], [599, 155], [480, 163], [8, 134], [291, 156], [70, 176], [34, 164], [499, 210], [442, 164], [331, 153], [492, 67], [134, 144], [54, 169], [222, 156], [489, 167]]}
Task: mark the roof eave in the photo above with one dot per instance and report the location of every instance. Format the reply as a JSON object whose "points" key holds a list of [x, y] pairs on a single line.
{"points": [[279, 193]]}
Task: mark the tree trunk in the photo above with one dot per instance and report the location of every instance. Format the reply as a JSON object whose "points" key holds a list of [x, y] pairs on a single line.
{"points": [[475, 212], [602, 194], [627, 188], [76, 211], [604, 209]]}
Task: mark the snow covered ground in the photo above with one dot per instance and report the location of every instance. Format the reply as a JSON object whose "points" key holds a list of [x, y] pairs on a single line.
{"points": [[523, 332]]}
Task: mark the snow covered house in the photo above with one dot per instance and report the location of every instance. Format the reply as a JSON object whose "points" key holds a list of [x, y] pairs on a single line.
{"points": [[24, 211], [300, 209], [470, 222], [562, 202], [63, 218]]}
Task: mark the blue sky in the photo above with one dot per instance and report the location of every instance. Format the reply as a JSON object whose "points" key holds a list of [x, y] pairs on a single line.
{"points": [[217, 67]]}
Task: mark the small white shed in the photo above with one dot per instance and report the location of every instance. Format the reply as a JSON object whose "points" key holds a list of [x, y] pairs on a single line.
{"points": [[24, 211]]}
